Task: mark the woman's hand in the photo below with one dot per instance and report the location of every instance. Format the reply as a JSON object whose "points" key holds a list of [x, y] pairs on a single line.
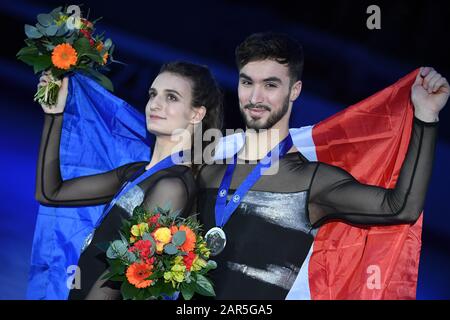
{"points": [[62, 94]]}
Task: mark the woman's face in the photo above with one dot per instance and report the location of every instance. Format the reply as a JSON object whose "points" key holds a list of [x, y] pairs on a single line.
{"points": [[169, 106]]}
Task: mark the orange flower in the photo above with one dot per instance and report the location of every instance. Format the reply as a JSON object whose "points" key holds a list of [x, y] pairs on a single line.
{"points": [[173, 229], [138, 272], [64, 56], [100, 46], [105, 57], [191, 239]]}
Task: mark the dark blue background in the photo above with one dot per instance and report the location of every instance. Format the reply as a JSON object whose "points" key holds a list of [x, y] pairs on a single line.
{"points": [[345, 62]]}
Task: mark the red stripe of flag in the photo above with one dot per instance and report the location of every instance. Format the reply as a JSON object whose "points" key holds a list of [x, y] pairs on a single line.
{"points": [[369, 140]]}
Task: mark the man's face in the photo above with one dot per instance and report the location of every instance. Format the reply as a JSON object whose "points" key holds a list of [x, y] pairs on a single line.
{"points": [[264, 94]]}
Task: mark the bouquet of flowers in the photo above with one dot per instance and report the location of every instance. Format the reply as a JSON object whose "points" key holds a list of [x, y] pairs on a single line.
{"points": [[160, 254], [63, 41]]}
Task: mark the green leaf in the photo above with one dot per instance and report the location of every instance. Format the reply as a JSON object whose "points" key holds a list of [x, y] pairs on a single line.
{"points": [[126, 226], [170, 249], [114, 274], [123, 238], [167, 206], [155, 275], [141, 295], [42, 29], [58, 40], [167, 263], [128, 290], [138, 210], [107, 276], [105, 82], [51, 30], [58, 73], [45, 19], [28, 51], [116, 266], [43, 63], [107, 44], [99, 78], [31, 42], [55, 12], [175, 214], [32, 32], [179, 238], [111, 51], [203, 286], [117, 249], [131, 257], [62, 30], [187, 290], [111, 253], [38, 62], [167, 288], [155, 291], [82, 46], [49, 46], [117, 277], [71, 36], [148, 236], [94, 57], [125, 221], [209, 266]]}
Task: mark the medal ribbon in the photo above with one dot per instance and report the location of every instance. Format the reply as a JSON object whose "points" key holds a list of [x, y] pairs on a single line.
{"points": [[161, 165], [224, 210]]}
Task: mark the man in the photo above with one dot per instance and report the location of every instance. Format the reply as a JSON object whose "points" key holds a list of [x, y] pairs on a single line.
{"points": [[269, 221]]}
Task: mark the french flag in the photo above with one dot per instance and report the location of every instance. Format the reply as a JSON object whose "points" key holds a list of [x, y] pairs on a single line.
{"points": [[368, 139]]}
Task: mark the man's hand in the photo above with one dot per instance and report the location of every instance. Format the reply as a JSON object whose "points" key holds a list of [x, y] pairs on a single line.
{"points": [[429, 94]]}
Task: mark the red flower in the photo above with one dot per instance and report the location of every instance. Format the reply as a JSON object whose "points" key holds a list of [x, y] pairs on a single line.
{"points": [[87, 35], [144, 249], [87, 24], [188, 260], [154, 220]]}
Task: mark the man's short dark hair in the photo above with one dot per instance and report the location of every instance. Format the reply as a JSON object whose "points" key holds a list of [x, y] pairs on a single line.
{"points": [[275, 46]]}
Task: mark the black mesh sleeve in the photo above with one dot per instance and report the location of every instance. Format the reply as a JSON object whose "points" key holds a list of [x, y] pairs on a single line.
{"points": [[170, 191], [335, 194], [88, 190]]}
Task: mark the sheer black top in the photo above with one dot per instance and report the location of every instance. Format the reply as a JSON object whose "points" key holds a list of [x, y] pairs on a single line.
{"points": [[175, 186], [271, 232]]}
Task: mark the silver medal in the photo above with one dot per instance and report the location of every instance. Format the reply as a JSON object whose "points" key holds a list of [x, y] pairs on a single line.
{"points": [[216, 240]]}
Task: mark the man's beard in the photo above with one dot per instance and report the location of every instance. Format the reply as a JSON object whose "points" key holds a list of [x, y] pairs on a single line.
{"points": [[270, 122]]}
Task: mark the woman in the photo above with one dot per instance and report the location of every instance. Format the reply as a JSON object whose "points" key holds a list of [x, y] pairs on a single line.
{"points": [[184, 97]]}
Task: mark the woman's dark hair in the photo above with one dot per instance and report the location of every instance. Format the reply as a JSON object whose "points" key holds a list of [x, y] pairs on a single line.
{"points": [[205, 92], [275, 46]]}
